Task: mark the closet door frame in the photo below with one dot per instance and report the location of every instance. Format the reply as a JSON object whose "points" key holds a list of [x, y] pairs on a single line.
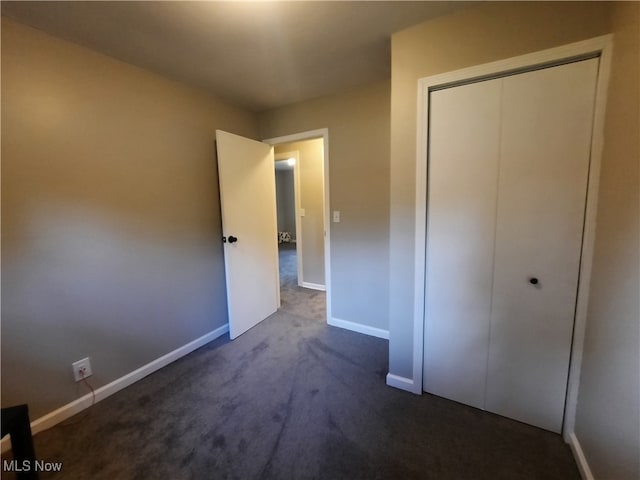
{"points": [[596, 47]]}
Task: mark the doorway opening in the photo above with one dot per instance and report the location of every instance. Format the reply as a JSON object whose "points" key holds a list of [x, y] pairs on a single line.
{"points": [[302, 205], [288, 214]]}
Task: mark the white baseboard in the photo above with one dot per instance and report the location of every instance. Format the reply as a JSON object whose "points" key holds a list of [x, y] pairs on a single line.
{"points": [[358, 327], [66, 411], [313, 286], [403, 383], [578, 455]]}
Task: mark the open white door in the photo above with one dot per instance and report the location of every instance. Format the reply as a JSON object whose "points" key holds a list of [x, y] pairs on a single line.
{"points": [[248, 204]]}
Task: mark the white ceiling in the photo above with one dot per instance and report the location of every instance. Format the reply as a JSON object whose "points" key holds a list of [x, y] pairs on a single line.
{"points": [[259, 55]]}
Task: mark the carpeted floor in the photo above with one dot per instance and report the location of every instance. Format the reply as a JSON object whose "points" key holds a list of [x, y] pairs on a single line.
{"points": [[294, 399], [294, 299]]}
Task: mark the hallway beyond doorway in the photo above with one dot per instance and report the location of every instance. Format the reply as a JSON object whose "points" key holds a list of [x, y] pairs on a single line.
{"points": [[304, 302]]}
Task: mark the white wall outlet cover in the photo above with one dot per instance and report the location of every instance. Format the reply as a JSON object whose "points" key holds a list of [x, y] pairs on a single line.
{"points": [[302, 212], [81, 369]]}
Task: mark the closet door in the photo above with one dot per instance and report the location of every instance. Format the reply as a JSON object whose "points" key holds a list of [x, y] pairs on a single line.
{"points": [[463, 166], [546, 124]]}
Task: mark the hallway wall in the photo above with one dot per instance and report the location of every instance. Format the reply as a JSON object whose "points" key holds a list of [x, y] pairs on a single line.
{"points": [[285, 201], [311, 158]]}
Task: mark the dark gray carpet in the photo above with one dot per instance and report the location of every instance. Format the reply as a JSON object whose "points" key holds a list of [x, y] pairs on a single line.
{"points": [[294, 399], [294, 299]]}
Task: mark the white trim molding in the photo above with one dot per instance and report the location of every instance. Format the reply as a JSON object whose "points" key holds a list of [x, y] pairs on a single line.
{"points": [[360, 328], [596, 47], [578, 455], [313, 286], [403, 383], [310, 135], [66, 411], [589, 235]]}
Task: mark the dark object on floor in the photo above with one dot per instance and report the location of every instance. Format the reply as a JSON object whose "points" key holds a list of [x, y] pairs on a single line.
{"points": [[16, 424]]}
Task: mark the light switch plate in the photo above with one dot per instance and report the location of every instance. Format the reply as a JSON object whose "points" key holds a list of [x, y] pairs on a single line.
{"points": [[336, 216]]}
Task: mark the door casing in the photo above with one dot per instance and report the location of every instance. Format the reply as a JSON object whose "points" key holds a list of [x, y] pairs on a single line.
{"points": [[310, 135], [601, 47]]}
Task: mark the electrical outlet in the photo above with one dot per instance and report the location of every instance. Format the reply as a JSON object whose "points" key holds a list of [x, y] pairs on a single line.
{"points": [[81, 369]]}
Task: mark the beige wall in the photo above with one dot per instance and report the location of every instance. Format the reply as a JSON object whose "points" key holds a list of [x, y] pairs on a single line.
{"points": [[495, 31], [608, 417], [489, 32], [358, 124], [285, 201], [110, 216], [311, 157]]}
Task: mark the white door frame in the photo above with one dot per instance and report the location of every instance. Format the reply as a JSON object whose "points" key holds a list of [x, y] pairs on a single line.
{"points": [[310, 135], [279, 157], [599, 46]]}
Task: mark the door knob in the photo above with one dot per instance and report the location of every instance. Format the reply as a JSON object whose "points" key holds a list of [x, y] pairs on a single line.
{"points": [[232, 239], [533, 280]]}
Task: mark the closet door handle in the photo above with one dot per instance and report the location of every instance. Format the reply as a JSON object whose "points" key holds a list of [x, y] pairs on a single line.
{"points": [[533, 280]]}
